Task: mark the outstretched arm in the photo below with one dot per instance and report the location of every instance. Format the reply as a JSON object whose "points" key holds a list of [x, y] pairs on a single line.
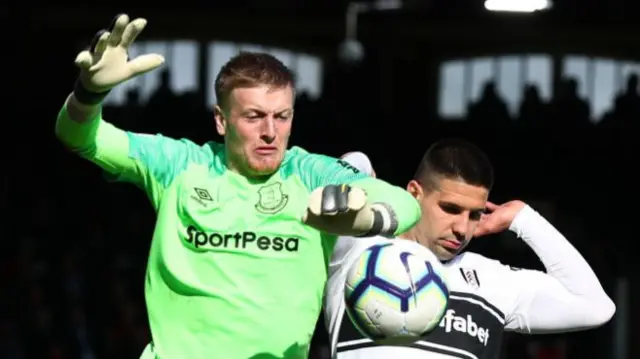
{"points": [[568, 297], [82, 130], [148, 161]]}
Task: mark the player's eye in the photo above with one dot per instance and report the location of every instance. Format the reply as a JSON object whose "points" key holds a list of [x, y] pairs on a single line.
{"points": [[475, 215], [451, 209], [253, 116], [287, 115]]}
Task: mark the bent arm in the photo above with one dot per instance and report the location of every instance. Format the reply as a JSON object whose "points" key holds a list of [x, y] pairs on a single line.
{"points": [[401, 208], [568, 297], [401, 203]]}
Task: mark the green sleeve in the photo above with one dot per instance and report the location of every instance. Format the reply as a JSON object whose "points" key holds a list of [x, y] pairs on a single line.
{"points": [[402, 202], [319, 170], [148, 161]]}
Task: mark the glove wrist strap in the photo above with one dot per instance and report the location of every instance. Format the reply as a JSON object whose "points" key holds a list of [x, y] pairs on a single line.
{"points": [[385, 222], [87, 97]]}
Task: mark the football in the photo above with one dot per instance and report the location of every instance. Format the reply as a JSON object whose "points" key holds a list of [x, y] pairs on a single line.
{"points": [[395, 292]]}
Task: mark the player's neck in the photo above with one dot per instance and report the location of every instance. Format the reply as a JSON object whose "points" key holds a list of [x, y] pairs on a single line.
{"points": [[252, 179], [410, 235], [233, 166]]}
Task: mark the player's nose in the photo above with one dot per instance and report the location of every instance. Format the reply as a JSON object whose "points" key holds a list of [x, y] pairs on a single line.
{"points": [[460, 225], [268, 130]]}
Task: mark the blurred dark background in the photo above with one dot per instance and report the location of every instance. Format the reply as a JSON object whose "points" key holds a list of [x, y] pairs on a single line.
{"points": [[552, 97]]}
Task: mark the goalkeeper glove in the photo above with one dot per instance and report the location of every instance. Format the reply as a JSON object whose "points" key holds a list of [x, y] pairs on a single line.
{"points": [[106, 64], [343, 210]]}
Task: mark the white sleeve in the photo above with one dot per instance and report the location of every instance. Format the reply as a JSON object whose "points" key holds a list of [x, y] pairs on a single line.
{"points": [[345, 253], [568, 297]]}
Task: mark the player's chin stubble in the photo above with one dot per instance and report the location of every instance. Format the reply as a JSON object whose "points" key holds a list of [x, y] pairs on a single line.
{"points": [[265, 165], [444, 254]]}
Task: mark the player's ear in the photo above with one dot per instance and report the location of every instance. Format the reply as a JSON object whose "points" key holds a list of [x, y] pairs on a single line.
{"points": [[415, 189], [221, 121]]}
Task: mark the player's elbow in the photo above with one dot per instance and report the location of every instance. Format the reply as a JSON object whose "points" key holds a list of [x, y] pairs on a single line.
{"points": [[76, 137], [63, 136], [607, 311], [63, 131], [67, 141], [601, 312]]}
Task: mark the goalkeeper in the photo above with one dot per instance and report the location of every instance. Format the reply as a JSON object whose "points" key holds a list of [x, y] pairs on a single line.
{"points": [[244, 229]]}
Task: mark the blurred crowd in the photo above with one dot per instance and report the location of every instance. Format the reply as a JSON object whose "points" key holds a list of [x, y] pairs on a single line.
{"points": [[74, 256]]}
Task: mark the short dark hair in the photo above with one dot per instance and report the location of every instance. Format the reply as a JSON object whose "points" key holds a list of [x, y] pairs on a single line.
{"points": [[251, 69], [455, 159]]}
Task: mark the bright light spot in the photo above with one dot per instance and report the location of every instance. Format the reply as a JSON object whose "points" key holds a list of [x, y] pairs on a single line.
{"points": [[517, 5]]}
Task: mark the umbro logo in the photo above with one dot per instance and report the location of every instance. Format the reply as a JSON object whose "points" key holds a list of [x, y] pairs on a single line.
{"points": [[202, 196]]}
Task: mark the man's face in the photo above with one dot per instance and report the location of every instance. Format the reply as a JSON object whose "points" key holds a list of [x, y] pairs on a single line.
{"points": [[256, 126], [450, 214]]}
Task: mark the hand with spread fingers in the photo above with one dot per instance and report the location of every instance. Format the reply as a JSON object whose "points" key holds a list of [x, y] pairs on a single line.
{"points": [[106, 63], [190, 185], [343, 210]]}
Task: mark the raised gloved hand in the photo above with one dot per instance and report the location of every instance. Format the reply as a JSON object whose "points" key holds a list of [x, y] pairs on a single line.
{"points": [[343, 210], [106, 63]]}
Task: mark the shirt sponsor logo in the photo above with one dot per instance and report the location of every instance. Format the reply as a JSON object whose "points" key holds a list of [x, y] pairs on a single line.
{"points": [[348, 166], [241, 240], [454, 323]]}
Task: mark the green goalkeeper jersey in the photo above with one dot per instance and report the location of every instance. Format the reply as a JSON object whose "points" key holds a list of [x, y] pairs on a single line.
{"points": [[233, 273]]}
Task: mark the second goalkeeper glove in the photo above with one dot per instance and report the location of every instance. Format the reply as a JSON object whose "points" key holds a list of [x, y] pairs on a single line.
{"points": [[106, 64], [343, 210]]}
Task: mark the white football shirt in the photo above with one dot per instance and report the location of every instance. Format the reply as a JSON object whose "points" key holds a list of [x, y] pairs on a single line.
{"points": [[486, 296]]}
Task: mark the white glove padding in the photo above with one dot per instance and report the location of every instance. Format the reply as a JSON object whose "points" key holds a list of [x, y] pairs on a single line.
{"points": [[106, 64], [343, 210]]}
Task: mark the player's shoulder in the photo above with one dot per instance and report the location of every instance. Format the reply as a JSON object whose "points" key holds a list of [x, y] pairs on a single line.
{"points": [[480, 263], [180, 156], [348, 246], [316, 170], [297, 158], [295, 163], [472, 275], [182, 147], [190, 153], [166, 156], [296, 152], [211, 150], [498, 284]]}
